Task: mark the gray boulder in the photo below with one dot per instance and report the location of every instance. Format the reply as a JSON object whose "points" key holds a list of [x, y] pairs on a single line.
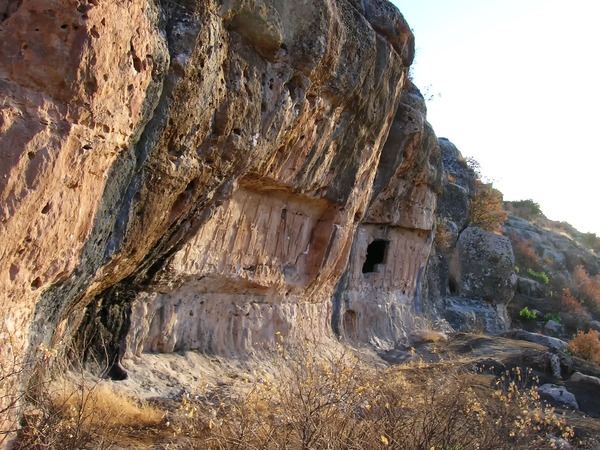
{"points": [[529, 287], [594, 325], [482, 266], [476, 316], [547, 341], [579, 377], [555, 329], [558, 394]]}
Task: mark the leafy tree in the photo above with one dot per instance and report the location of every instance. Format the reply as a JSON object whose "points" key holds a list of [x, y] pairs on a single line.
{"points": [[526, 209]]}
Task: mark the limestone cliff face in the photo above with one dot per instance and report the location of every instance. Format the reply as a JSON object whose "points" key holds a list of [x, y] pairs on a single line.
{"points": [[197, 175]]}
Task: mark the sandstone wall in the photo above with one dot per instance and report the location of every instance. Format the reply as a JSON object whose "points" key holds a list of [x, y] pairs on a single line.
{"points": [[380, 304], [191, 175]]}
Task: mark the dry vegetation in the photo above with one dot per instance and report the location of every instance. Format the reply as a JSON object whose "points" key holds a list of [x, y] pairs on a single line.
{"points": [[487, 208], [299, 400], [586, 345]]}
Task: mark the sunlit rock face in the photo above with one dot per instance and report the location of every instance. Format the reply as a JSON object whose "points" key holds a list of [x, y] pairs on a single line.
{"points": [[313, 89], [378, 300], [192, 175]]}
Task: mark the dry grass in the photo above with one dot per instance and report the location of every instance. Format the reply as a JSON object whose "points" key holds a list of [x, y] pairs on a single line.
{"points": [[72, 413], [309, 397], [336, 401]]}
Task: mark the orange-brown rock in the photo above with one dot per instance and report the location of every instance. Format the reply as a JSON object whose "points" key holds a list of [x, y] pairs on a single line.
{"points": [[192, 175]]}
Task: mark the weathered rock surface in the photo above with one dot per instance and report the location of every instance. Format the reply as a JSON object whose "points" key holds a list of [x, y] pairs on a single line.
{"points": [[201, 175], [559, 253], [558, 395], [458, 189], [378, 299], [468, 315], [482, 266], [470, 272], [579, 377], [547, 341]]}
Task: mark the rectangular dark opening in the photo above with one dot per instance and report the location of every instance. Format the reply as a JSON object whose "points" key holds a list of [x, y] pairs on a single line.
{"points": [[376, 253]]}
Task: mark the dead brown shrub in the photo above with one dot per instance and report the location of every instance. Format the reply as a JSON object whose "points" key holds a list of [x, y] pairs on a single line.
{"points": [[571, 305], [525, 254], [586, 345], [585, 287], [487, 208]]}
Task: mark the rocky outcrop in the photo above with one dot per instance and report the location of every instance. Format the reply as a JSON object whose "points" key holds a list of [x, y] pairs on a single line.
{"points": [[555, 248], [200, 175], [378, 299], [470, 274]]}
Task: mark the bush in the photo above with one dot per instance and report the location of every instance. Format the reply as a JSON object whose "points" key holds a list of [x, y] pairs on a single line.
{"points": [[321, 398], [570, 304], [541, 276], [553, 316], [81, 414], [338, 402], [586, 345], [524, 253], [527, 314], [526, 209], [487, 211], [585, 287], [62, 409], [591, 240]]}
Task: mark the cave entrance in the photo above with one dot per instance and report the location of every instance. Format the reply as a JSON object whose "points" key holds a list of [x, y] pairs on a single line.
{"points": [[452, 286], [376, 253]]}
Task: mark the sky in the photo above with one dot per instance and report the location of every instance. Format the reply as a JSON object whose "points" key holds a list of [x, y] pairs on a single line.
{"points": [[515, 84]]}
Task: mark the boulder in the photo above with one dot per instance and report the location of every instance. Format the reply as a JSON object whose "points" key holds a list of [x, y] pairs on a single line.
{"points": [[541, 361], [579, 377], [547, 341], [529, 287], [475, 316], [558, 395], [553, 328], [482, 266], [594, 325]]}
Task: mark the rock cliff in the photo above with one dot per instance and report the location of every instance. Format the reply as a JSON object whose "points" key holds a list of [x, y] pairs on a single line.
{"points": [[203, 175]]}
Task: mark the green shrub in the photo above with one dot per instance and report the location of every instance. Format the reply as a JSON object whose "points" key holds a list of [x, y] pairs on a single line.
{"points": [[527, 314], [553, 316], [541, 276], [526, 209]]}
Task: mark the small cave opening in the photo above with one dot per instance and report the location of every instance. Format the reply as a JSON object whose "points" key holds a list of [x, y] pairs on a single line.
{"points": [[452, 286], [376, 253]]}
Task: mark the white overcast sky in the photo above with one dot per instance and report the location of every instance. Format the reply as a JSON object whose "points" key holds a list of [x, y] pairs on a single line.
{"points": [[519, 86]]}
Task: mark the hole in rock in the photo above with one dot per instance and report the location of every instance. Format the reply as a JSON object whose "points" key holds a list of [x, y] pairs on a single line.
{"points": [[452, 286], [116, 373], [376, 253], [37, 283], [46, 209]]}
